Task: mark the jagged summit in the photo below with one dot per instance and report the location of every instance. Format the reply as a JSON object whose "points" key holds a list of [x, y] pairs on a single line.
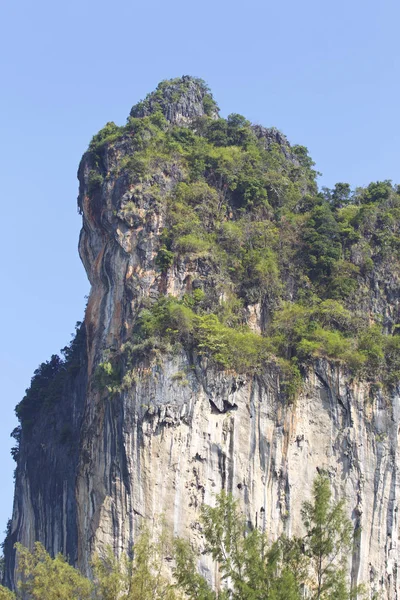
{"points": [[180, 100]]}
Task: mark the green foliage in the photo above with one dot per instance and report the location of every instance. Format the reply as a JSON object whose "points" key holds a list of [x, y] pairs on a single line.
{"points": [[343, 281], [240, 350], [202, 198], [41, 577], [328, 542], [392, 360], [44, 578], [166, 319], [291, 381], [239, 132], [233, 131], [110, 133], [327, 329], [209, 105], [296, 334], [260, 274], [306, 171], [252, 568], [95, 181], [302, 156], [16, 434], [339, 196], [164, 259], [158, 119], [148, 131], [322, 242], [376, 192], [6, 594], [346, 218], [110, 575], [304, 332], [44, 389], [107, 376], [140, 578], [187, 577], [48, 381], [192, 244], [371, 344], [197, 296], [250, 258]]}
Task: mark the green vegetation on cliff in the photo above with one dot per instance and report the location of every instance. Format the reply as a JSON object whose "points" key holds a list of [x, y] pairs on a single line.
{"points": [[255, 270], [47, 384], [242, 209], [243, 206]]}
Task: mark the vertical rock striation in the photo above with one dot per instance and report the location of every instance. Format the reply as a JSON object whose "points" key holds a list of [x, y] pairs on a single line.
{"points": [[179, 428]]}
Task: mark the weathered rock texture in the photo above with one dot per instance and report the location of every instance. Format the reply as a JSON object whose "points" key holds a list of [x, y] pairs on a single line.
{"points": [[183, 429]]}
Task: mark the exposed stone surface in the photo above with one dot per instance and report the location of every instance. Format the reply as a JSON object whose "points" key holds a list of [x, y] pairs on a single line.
{"points": [[44, 501], [179, 100], [272, 136], [182, 430]]}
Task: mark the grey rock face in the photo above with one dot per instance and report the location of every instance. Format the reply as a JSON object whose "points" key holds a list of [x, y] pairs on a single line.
{"points": [[179, 430], [270, 136], [45, 506], [180, 100]]}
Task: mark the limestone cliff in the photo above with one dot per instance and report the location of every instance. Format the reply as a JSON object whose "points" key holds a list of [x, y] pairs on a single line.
{"points": [[157, 406]]}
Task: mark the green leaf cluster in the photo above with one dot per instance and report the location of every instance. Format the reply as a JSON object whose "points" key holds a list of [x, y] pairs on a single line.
{"points": [[137, 578], [296, 334], [48, 381], [107, 135], [178, 322], [41, 577], [44, 578]]}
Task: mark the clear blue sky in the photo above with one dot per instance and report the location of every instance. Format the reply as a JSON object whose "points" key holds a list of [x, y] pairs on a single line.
{"points": [[324, 72]]}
